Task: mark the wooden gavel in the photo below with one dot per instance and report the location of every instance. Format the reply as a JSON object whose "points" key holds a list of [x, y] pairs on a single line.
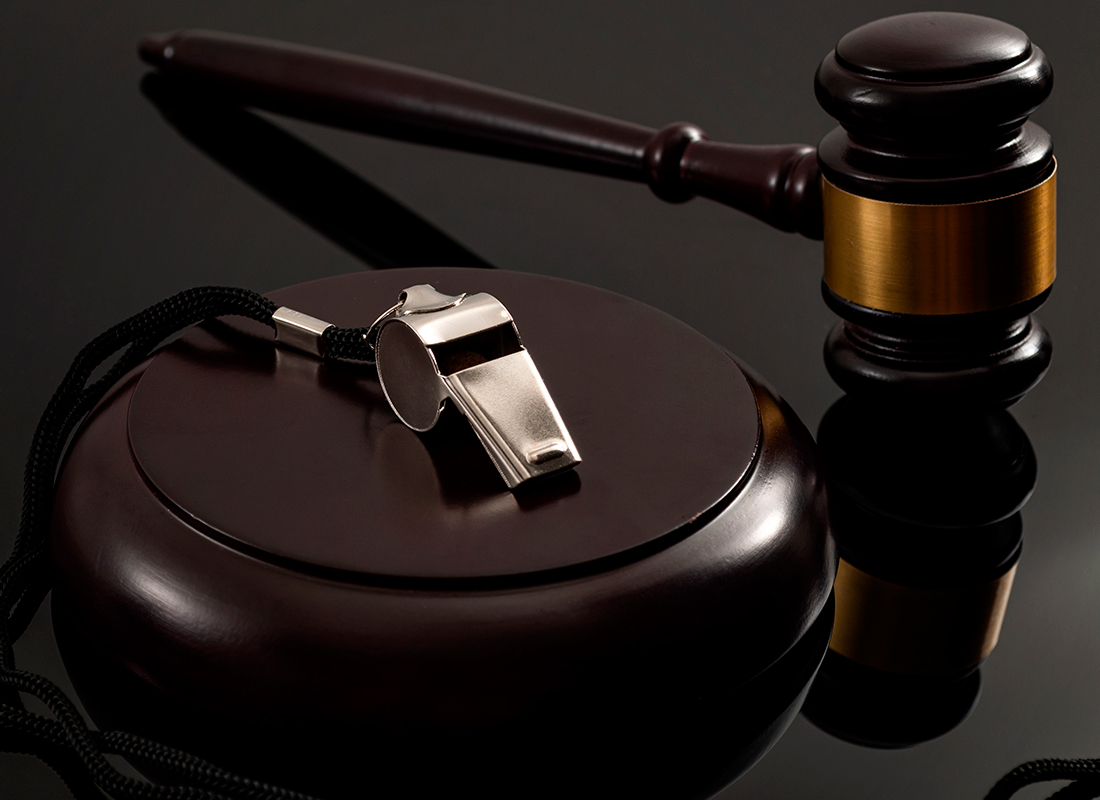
{"points": [[935, 197]]}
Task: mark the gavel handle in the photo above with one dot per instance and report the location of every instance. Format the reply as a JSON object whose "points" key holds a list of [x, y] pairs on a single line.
{"points": [[778, 184]]}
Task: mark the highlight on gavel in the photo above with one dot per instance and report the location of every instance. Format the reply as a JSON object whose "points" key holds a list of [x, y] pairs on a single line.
{"points": [[935, 197]]}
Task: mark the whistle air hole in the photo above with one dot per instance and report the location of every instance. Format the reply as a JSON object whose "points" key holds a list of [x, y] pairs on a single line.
{"points": [[477, 348]]}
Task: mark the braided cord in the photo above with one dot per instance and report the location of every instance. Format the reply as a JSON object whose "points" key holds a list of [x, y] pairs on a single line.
{"points": [[65, 741], [1086, 771], [348, 343]]}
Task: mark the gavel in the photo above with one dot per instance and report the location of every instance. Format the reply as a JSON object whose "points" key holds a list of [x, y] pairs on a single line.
{"points": [[935, 197]]}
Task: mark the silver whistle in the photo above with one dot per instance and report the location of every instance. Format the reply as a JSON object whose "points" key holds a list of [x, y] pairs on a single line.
{"points": [[432, 347]]}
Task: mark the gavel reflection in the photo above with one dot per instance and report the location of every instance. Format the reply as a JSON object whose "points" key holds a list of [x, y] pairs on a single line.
{"points": [[925, 505], [935, 199]]}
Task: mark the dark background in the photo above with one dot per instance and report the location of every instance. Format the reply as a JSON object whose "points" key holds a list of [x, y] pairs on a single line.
{"points": [[106, 209]]}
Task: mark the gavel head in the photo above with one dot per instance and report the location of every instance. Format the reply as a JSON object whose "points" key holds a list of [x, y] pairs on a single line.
{"points": [[939, 209]]}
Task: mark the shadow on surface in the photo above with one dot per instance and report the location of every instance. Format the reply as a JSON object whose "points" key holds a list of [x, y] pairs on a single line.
{"points": [[304, 182]]}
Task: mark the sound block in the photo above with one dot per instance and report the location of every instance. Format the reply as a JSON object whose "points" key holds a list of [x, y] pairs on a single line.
{"points": [[254, 533]]}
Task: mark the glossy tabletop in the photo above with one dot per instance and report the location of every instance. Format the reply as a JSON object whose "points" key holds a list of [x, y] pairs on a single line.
{"points": [[112, 200]]}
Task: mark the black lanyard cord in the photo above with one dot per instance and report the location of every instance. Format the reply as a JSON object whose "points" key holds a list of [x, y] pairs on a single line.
{"points": [[24, 578], [1084, 771]]}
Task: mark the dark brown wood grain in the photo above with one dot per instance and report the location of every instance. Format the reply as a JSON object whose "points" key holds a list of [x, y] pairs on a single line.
{"points": [[775, 184], [985, 360], [627, 736], [418, 623], [933, 105], [319, 470], [934, 109]]}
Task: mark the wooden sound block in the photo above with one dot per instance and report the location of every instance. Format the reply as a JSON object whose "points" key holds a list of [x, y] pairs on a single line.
{"points": [[255, 532]]}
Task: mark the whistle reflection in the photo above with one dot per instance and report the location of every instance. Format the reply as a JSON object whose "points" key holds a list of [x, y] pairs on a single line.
{"points": [[925, 509]]}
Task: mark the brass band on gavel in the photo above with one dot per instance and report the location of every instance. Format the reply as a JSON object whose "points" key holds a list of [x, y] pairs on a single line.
{"points": [[940, 259]]}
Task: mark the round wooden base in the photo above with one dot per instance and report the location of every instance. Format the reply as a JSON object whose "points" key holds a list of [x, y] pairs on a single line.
{"points": [[254, 532]]}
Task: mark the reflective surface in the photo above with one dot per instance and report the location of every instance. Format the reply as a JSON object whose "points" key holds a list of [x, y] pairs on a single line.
{"points": [[107, 208]]}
